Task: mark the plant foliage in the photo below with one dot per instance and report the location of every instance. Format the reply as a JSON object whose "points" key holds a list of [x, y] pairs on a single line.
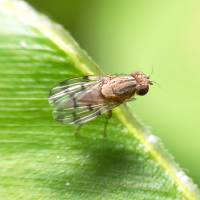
{"points": [[42, 159]]}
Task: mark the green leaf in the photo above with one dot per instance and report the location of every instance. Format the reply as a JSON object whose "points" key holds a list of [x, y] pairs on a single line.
{"points": [[42, 159]]}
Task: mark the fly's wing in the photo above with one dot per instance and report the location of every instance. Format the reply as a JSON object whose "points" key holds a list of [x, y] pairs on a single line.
{"points": [[65, 90], [82, 103], [83, 112]]}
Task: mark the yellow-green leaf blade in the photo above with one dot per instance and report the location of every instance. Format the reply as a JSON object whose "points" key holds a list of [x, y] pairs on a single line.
{"points": [[42, 159]]}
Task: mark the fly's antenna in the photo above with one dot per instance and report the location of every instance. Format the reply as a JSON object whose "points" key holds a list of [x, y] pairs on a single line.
{"points": [[156, 84], [150, 73]]}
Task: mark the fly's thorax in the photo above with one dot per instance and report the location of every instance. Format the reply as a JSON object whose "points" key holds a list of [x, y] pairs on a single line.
{"points": [[119, 88]]}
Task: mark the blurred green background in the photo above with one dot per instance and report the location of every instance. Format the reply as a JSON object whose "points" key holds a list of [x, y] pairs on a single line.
{"points": [[124, 36]]}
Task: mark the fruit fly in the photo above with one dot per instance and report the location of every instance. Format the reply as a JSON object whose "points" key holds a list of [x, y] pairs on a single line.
{"points": [[79, 100]]}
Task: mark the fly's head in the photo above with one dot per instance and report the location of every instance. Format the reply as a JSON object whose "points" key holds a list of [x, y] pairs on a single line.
{"points": [[143, 82]]}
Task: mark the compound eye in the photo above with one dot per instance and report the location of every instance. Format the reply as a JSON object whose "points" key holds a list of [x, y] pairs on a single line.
{"points": [[142, 90], [136, 73]]}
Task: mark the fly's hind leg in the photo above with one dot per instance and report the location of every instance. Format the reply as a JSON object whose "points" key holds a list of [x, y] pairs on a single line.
{"points": [[77, 129], [105, 127]]}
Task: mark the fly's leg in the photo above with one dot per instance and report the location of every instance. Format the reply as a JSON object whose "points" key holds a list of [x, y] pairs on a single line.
{"points": [[131, 99], [105, 127], [77, 129]]}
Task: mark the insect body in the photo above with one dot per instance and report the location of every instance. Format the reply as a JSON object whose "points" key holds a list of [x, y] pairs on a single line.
{"points": [[80, 100]]}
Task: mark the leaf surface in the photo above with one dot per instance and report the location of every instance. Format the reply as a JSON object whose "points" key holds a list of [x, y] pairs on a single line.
{"points": [[42, 159]]}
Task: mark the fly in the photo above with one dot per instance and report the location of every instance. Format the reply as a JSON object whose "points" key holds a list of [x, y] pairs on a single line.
{"points": [[79, 100]]}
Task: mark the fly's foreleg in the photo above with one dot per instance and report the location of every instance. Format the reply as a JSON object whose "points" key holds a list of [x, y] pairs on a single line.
{"points": [[131, 99], [105, 127]]}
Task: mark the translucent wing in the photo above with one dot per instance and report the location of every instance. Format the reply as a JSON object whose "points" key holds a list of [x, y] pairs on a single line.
{"points": [[78, 101], [82, 114], [65, 90]]}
